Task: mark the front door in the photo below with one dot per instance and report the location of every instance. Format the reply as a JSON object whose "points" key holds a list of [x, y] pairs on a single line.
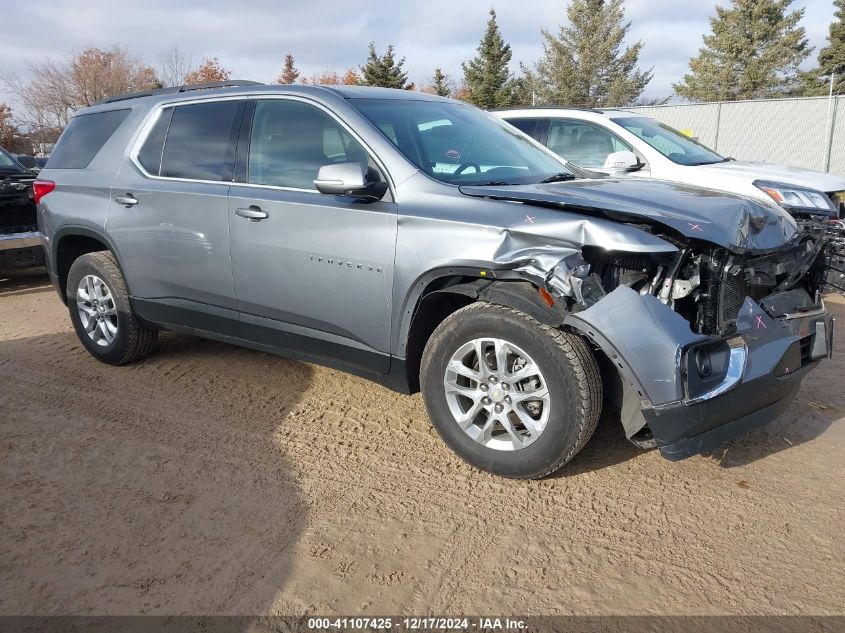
{"points": [[313, 272], [585, 144]]}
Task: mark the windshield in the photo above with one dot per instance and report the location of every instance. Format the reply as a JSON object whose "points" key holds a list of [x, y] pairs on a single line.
{"points": [[7, 162], [460, 144], [677, 147]]}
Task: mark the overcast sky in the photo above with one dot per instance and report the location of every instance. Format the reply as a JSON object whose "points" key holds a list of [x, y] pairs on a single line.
{"points": [[251, 36]]}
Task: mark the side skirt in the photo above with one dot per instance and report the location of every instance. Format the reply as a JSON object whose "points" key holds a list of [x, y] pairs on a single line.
{"points": [[224, 325]]}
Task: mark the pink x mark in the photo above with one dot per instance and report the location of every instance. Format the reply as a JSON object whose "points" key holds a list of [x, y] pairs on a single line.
{"points": [[530, 219], [695, 227], [760, 323]]}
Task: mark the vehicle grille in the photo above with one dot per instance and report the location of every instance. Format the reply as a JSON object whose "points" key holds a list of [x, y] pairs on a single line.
{"points": [[806, 346], [17, 210], [732, 293]]}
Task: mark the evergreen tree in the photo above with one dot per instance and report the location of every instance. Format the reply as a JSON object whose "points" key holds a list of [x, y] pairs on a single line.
{"points": [[524, 88], [584, 65], [384, 70], [440, 83], [753, 52], [486, 75], [289, 72], [832, 56]]}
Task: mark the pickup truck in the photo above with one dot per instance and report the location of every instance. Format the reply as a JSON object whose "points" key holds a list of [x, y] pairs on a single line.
{"points": [[20, 241]]}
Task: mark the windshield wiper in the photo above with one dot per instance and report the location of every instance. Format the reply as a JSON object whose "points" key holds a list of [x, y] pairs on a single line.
{"points": [[558, 177], [495, 183]]}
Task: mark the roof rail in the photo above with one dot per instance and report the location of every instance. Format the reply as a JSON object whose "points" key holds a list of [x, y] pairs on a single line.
{"points": [[176, 89]]}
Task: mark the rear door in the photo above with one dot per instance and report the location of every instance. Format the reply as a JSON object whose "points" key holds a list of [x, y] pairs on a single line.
{"points": [[169, 211], [313, 272]]}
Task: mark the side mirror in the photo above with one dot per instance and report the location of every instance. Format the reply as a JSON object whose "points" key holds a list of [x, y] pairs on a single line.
{"points": [[349, 179], [622, 161]]}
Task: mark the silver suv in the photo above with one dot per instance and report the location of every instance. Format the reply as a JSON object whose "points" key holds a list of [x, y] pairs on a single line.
{"points": [[425, 244]]}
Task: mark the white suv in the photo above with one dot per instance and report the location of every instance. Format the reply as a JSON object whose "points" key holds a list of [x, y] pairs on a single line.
{"points": [[615, 141]]}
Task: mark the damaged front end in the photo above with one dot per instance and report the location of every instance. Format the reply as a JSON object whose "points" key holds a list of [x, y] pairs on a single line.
{"points": [[709, 342]]}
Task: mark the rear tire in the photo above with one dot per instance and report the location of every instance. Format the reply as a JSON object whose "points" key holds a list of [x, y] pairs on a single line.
{"points": [[102, 316], [529, 409]]}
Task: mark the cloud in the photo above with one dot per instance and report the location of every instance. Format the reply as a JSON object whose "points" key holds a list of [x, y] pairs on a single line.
{"points": [[251, 37]]}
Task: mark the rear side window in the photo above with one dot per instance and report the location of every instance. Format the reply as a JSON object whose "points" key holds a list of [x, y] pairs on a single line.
{"points": [[84, 136], [198, 142], [524, 125]]}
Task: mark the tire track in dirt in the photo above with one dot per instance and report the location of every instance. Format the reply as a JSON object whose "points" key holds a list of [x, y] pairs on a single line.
{"points": [[335, 495]]}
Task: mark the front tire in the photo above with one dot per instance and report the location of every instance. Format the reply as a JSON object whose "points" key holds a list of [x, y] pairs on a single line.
{"points": [[508, 394], [102, 316]]}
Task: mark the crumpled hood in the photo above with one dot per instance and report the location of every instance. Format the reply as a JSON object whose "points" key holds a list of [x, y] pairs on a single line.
{"points": [[772, 172], [725, 219]]}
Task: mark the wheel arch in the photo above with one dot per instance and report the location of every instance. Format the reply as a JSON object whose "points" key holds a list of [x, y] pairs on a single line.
{"points": [[440, 296], [71, 242]]}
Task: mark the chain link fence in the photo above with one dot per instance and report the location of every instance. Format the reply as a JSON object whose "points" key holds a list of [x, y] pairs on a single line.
{"points": [[803, 132]]}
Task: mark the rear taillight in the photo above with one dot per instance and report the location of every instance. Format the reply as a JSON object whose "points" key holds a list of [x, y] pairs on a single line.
{"points": [[41, 188]]}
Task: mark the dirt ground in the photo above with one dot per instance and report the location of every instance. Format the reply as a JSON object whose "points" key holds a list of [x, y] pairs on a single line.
{"points": [[211, 479]]}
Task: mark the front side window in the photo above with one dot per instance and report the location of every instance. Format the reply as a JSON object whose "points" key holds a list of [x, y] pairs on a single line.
{"points": [[459, 144], [83, 137], [677, 147], [584, 144], [291, 140], [198, 144]]}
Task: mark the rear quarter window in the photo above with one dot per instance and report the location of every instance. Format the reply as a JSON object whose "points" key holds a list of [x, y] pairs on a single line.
{"points": [[83, 137]]}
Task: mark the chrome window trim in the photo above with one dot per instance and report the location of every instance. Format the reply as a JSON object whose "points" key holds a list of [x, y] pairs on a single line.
{"points": [[145, 129]]}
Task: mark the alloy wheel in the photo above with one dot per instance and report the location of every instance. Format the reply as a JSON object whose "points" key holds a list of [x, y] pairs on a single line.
{"points": [[497, 394], [97, 310]]}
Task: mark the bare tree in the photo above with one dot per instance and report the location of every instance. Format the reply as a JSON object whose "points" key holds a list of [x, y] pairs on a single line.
{"points": [[351, 77], [59, 88], [332, 78], [11, 137], [208, 71], [174, 66]]}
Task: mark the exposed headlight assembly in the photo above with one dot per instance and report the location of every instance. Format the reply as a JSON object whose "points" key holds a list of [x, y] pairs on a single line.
{"points": [[795, 198]]}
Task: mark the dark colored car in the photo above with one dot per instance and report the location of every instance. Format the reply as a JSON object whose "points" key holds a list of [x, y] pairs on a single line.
{"points": [[20, 242]]}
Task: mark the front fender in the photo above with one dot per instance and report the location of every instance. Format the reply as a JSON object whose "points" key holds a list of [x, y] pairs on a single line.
{"points": [[643, 338]]}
